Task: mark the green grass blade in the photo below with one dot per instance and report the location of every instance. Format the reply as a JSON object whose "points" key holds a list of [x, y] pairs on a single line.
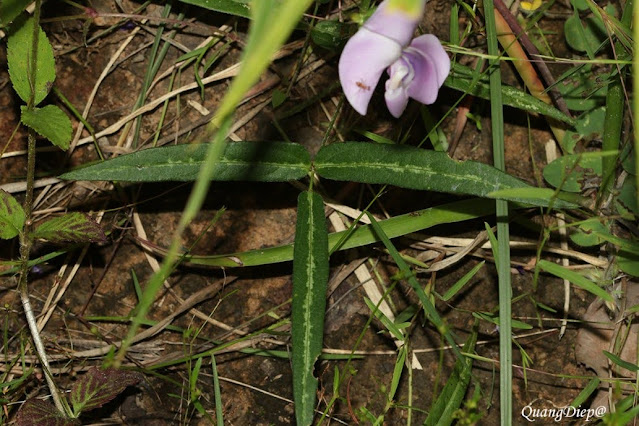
{"points": [[263, 41], [633, 368], [394, 227], [310, 279], [219, 415], [392, 328], [193, 205], [462, 282], [452, 395], [407, 274], [503, 232], [575, 278], [414, 168], [584, 395], [13, 269], [247, 161]]}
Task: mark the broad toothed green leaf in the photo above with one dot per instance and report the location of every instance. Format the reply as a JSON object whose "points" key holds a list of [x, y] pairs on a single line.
{"points": [[50, 122], [11, 216], [18, 54], [70, 228]]}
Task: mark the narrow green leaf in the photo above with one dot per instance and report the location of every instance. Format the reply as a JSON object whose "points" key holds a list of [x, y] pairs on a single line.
{"points": [[394, 227], [584, 395], [575, 278], [263, 40], [397, 372], [452, 395], [621, 363], [18, 54], [538, 196], [96, 387], [462, 282], [50, 122], [72, 227], [414, 168], [429, 308], [394, 330], [310, 279], [497, 321], [494, 244], [247, 161], [194, 377], [14, 264], [232, 7], [10, 9], [621, 417], [11, 216], [278, 98], [461, 79], [219, 408]]}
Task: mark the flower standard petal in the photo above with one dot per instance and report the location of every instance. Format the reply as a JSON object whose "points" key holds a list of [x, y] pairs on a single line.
{"points": [[362, 63], [394, 23]]}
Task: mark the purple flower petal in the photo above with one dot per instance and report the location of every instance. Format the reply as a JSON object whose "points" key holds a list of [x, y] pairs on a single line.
{"points": [[396, 95], [430, 47], [423, 87], [393, 23], [362, 63], [418, 74]]}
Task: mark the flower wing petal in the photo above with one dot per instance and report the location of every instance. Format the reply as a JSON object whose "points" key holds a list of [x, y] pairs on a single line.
{"points": [[362, 63], [429, 46], [431, 66]]}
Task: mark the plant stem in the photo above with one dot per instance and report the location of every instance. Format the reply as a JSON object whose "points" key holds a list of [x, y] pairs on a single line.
{"points": [[26, 239]]}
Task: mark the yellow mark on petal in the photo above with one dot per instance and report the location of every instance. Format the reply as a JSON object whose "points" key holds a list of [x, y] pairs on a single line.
{"points": [[413, 9], [530, 6]]}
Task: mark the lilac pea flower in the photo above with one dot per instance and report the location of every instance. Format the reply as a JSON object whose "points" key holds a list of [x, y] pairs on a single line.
{"points": [[417, 70]]}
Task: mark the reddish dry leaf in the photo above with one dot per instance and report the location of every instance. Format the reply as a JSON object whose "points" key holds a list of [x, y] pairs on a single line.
{"points": [[42, 413], [97, 387]]}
